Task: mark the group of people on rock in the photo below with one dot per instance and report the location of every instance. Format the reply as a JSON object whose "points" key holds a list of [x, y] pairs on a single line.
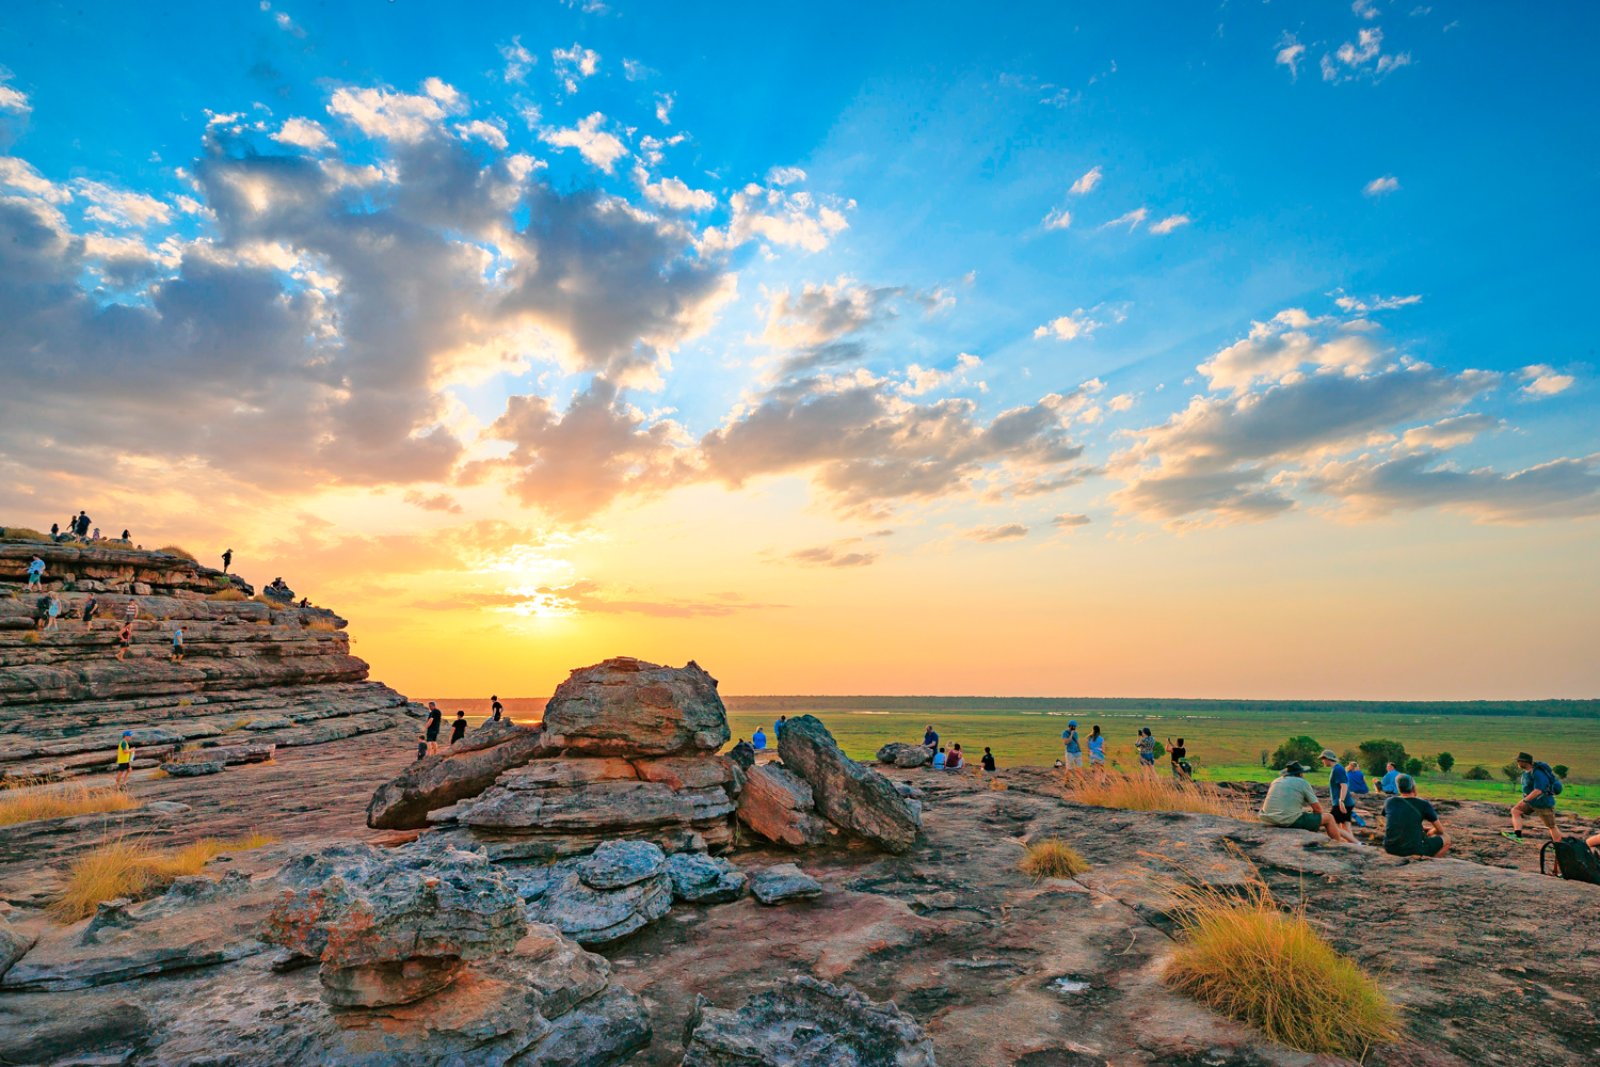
{"points": [[428, 739], [1076, 746], [951, 758], [78, 526], [758, 740]]}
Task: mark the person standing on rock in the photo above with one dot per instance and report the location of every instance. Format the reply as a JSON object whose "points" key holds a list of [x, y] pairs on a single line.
{"points": [[1178, 754], [35, 574], [422, 746], [1539, 788], [1344, 806], [435, 720], [1074, 749], [126, 536], [124, 639], [777, 727], [177, 645], [1292, 804], [1097, 748], [458, 729], [1147, 750], [496, 709], [83, 523], [1411, 825], [124, 758], [227, 559], [91, 608], [930, 738], [52, 613]]}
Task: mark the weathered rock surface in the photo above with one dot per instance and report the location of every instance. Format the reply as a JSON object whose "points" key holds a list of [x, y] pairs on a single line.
{"points": [[559, 895], [850, 795], [193, 768], [618, 864], [701, 879], [34, 1030], [806, 1022], [778, 804], [625, 706], [782, 883], [462, 771], [901, 754], [13, 944]]}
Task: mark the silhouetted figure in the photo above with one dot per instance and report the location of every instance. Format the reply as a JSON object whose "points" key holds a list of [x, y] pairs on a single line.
{"points": [[435, 719], [227, 559], [458, 729], [496, 708]]}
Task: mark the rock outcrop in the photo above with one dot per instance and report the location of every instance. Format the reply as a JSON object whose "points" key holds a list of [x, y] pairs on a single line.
{"points": [[850, 795], [253, 673], [618, 890], [460, 772], [627, 707], [806, 1021], [778, 805], [904, 755]]}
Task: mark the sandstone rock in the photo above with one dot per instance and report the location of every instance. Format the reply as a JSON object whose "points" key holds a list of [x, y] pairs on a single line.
{"points": [[558, 896], [617, 864], [13, 945], [625, 706], [901, 754], [690, 772], [561, 972], [193, 768], [461, 771], [778, 805], [804, 1022], [701, 879], [34, 1030], [782, 883], [388, 982], [851, 796], [606, 1030], [743, 754]]}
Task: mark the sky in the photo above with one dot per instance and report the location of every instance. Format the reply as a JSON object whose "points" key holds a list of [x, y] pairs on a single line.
{"points": [[1146, 349]]}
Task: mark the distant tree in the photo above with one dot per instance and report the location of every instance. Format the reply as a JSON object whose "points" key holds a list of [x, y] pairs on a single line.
{"points": [[1429, 764], [1446, 761], [1511, 771], [1478, 773], [1265, 756], [1414, 766], [1377, 754], [1303, 750], [1349, 756], [1560, 769]]}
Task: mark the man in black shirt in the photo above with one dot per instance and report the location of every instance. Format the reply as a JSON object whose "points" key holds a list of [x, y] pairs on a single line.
{"points": [[458, 729], [497, 709], [1411, 826], [435, 718]]}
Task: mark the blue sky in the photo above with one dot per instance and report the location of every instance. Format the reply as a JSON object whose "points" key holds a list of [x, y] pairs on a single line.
{"points": [[1017, 275]]}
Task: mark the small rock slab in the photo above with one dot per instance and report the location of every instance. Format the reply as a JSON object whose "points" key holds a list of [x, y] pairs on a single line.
{"points": [[782, 883], [193, 768], [617, 864], [702, 879], [806, 1022]]}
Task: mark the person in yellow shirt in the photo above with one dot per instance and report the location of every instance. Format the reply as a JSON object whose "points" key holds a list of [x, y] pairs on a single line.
{"points": [[124, 758]]}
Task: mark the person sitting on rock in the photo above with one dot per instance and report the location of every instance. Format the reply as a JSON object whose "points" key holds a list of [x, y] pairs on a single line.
{"points": [[758, 740], [458, 729], [930, 737], [1539, 787], [1344, 807], [435, 720], [939, 759], [1358, 786], [422, 746], [35, 573], [988, 760], [1387, 782], [1411, 825], [1097, 747], [177, 645], [124, 758], [1292, 804], [126, 536], [953, 760]]}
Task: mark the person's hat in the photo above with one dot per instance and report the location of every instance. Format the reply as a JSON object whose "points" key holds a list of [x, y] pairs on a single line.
{"points": [[127, 733], [1329, 754], [1406, 784], [1072, 723], [1523, 757], [1294, 769]]}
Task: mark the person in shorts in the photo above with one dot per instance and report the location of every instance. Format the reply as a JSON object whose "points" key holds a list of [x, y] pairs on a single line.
{"points": [[435, 720], [1292, 804], [177, 645], [1147, 749], [1339, 799], [1410, 824], [124, 758], [1539, 785], [35, 573], [124, 639], [1074, 753]]}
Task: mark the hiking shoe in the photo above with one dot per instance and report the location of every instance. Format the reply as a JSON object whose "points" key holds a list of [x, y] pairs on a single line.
{"points": [[1511, 835]]}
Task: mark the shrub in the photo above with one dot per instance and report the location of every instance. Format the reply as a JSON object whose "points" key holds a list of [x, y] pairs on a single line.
{"points": [[133, 869], [1377, 754], [1478, 773], [1413, 766], [1144, 791], [1511, 771], [26, 805], [1053, 858], [1302, 749], [1446, 761], [1247, 959], [1561, 770], [228, 594], [177, 550], [25, 533]]}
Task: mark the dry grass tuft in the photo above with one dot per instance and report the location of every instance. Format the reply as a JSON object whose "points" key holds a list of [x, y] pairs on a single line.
{"points": [[275, 605], [19, 804], [1151, 792], [133, 869], [25, 533], [228, 594], [1053, 858], [1251, 961], [322, 626], [178, 550]]}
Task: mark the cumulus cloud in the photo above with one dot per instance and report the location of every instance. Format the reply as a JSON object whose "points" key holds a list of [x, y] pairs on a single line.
{"points": [[1560, 489], [13, 99], [1086, 182], [1058, 219], [664, 103], [395, 116], [573, 65], [120, 207], [518, 60], [1170, 223], [1381, 186], [20, 175], [1543, 380], [1449, 433], [1069, 327], [777, 216], [673, 194], [303, 133], [1011, 531], [598, 147], [920, 380]]}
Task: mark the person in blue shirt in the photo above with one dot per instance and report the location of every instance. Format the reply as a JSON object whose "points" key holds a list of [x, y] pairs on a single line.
{"points": [[1539, 788], [758, 740], [1339, 796], [1388, 782], [777, 727], [1074, 749], [930, 738], [939, 760], [1358, 786], [1097, 747]]}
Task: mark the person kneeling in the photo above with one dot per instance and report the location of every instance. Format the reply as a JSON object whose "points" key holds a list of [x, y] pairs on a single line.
{"points": [[1411, 826], [1292, 804]]}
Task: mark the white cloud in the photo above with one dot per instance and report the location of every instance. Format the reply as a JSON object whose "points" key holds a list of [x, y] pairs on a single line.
{"points": [[1011, 531], [1388, 183], [1356, 305], [19, 174], [664, 103], [1543, 380], [1069, 327], [785, 176], [1130, 219], [1449, 433], [599, 148], [479, 130], [920, 380], [405, 118], [779, 217], [518, 60], [574, 64], [1560, 489], [12, 99], [1120, 402], [1170, 223], [1086, 182], [1281, 350], [673, 193], [304, 133], [1363, 58], [635, 71], [1364, 9], [119, 207], [1059, 219], [1290, 52]]}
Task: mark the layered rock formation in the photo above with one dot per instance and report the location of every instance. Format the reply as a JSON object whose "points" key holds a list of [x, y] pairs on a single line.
{"points": [[253, 673], [806, 1021]]}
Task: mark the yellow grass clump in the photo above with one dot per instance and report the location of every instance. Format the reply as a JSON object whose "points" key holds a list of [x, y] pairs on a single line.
{"points": [[1053, 858], [25, 805], [177, 550], [25, 533], [1152, 792], [322, 626], [229, 593], [1249, 960], [127, 868]]}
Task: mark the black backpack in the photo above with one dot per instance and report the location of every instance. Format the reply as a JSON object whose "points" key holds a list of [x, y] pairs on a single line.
{"points": [[1574, 860]]}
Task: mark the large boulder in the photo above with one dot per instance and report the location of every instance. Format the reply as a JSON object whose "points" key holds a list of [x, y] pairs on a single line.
{"points": [[806, 1021], [562, 895], [627, 707], [901, 754], [459, 772], [852, 796], [778, 804]]}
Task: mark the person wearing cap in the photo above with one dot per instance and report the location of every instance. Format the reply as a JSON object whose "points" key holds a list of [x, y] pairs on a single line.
{"points": [[1539, 784], [1074, 749], [1411, 825], [1339, 798], [1292, 804], [124, 758]]}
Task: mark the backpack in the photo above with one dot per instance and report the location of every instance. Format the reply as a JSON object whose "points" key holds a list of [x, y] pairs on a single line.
{"points": [[1555, 783], [1574, 860]]}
